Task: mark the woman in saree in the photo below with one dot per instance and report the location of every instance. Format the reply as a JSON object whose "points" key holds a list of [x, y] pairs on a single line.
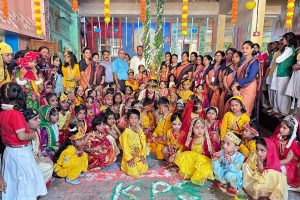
{"points": [[86, 68], [5, 59], [246, 83], [185, 68], [70, 71], [212, 79], [227, 82]]}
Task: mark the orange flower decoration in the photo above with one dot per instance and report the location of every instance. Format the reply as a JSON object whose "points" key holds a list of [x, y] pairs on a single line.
{"points": [[4, 9], [143, 11]]}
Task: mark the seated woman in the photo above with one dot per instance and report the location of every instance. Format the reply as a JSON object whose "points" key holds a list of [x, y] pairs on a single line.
{"points": [[262, 175]]}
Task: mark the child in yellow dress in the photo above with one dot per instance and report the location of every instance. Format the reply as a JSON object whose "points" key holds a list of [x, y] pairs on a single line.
{"points": [[262, 175], [186, 92], [173, 146], [249, 136], [235, 119], [131, 81], [159, 136], [192, 164], [72, 160], [133, 143]]}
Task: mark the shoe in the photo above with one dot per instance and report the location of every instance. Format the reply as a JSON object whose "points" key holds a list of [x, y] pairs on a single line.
{"points": [[73, 182], [231, 191], [81, 175]]}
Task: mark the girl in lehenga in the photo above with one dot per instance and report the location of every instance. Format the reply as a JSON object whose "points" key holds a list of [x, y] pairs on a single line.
{"points": [[262, 175], [192, 164]]}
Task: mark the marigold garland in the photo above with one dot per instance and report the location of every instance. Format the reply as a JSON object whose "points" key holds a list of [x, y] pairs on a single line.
{"points": [[234, 10], [37, 15], [184, 17], [106, 11], [4, 9], [143, 11], [290, 14], [75, 5]]}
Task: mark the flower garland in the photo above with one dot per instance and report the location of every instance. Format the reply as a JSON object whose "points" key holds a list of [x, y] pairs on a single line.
{"points": [[146, 36], [159, 39], [75, 5], [234, 10], [184, 16], [4, 9], [290, 14], [37, 14], [106, 11], [143, 11]]}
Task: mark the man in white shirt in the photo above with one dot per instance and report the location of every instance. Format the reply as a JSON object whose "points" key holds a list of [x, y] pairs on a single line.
{"points": [[137, 60]]}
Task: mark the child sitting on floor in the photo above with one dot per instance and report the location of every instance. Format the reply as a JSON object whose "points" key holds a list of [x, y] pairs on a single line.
{"points": [[72, 160], [249, 136], [262, 175], [227, 165], [133, 143]]}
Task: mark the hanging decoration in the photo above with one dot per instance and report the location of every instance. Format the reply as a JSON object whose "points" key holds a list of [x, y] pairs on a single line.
{"points": [[37, 15], [126, 31], [99, 43], [146, 36], [234, 10], [198, 35], [184, 17], [158, 38], [250, 5], [143, 11], [106, 11], [105, 35], [4, 10], [290, 14], [171, 35], [202, 40], [132, 34], [75, 6]]}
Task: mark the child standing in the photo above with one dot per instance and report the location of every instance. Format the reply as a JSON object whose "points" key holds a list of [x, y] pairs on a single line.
{"points": [[249, 136], [64, 117], [133, 143], [262, 177], [72, 160], [227, 165], [131, 81], [285, 139], [163, 90], [20, 171], [192, 164], [163, 73], [80, 118], [235, 119]]}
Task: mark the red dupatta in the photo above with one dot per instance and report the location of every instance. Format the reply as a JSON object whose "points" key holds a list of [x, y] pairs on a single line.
{"points": [[272, 161]]}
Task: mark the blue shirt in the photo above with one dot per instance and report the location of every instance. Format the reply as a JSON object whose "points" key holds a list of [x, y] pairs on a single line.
{"points": [[251, 72], [120, 67], [108, 71]]}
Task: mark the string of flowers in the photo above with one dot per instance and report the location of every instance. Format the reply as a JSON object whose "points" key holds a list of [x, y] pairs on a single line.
{"points": [[75, 6], [184, 16], [159, 39], [37, 15], [234, 10], [146, 36], [290, 14], [202, 40], [106, 11], [4, 9], [143, 11]]}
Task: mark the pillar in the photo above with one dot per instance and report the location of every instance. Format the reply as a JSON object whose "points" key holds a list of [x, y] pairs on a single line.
{"points": [[258, 16], [219, 34]]}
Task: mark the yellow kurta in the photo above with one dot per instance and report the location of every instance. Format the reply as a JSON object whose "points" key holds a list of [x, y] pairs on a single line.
{"points": [[185, 95], [248, 148], [232, 122], [134, 84], [160, 131], [132, 142], [195, 166], [69, 164], [145, 121], [64, 120], [270, 183], [69, 75]]}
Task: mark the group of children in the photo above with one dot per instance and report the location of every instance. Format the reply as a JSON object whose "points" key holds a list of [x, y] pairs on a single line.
{"points": [[64, 132]]}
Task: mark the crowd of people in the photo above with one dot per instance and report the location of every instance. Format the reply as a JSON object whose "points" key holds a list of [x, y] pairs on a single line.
{"points": [[63, 119]]}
